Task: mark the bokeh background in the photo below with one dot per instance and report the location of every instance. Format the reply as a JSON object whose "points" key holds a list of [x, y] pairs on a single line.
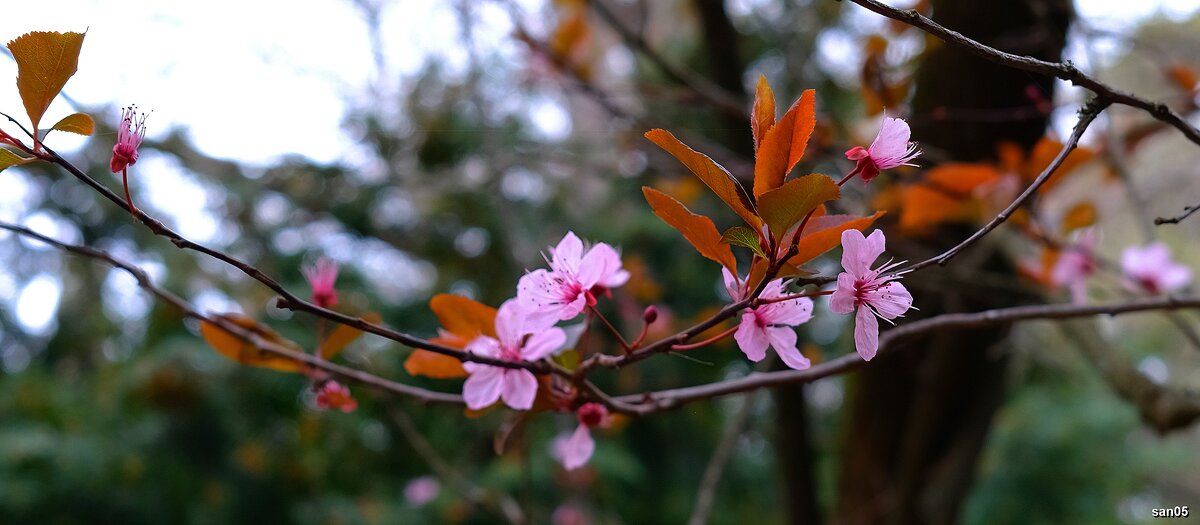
{"points": [[437, 147]]}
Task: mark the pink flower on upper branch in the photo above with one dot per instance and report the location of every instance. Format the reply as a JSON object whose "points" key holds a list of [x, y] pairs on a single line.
{"points": [[573, 280], [770, 324], [890, 149], [575, 450], [1151, 270], [519, 337], [871, 292], [321, 276], [334, 395], [129, 138], [1075, 264]]}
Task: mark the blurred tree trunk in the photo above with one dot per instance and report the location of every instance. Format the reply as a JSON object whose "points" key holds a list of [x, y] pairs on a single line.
{"points": [[917, 420]]}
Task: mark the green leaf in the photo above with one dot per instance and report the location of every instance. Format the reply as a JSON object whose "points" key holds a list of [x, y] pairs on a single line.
{"points": [[745, 237], [9, 159], [45, 60], [783, 207], [568, 359], [80, 123]]}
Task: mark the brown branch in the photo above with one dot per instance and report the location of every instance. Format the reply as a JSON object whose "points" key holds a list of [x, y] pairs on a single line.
{"points": [[144, 281], [715, 95], [287, 299], [1087, 115], [1064, 71], [1187, 212], [651, 402]]}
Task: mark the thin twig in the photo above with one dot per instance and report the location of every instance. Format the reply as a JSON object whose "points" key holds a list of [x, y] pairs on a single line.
{"points": [[144, 281], [706, 494], [1187, 212]]}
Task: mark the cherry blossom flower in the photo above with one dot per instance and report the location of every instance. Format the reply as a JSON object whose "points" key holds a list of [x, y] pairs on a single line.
{"points": [[1075, 265], [890, 149], [519, 337], [334, 395], [770, 324], [872, 292], [321, 276], [129, 138], [573, 280], [574, 450], [420, 491], [1151, 270]]}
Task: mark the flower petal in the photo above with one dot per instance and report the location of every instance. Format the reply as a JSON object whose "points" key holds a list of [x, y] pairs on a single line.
{"points": [[859, 252], [575, 451], [567, 255], [733, 285], [791, 312], [543, 343], [599, 265], [483, 387], [866, 333], [750, 338], [891, 144], [842, 300], [783, 340], [890, 300], [518, 388], [510, 320]]}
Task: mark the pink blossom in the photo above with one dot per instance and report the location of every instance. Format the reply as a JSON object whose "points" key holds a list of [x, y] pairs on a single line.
{"points": [[770, 324], [519, 337], [321, 276], [568, 514], [129, 137], [890, 149], [334, 395], [420, 491], [574, 450], [1075, 265], [574, 278], [1152, 270], [872, 292]]}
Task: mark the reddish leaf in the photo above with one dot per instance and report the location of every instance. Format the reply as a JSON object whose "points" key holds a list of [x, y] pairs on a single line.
{"points": [[825, 233], [763, 116], [712, 174], [463, 317], [697, 229], [80, 123], [45, 60], [237, 349], [786, 205], [961, 177], [1043, 154], [783, 145], [1079, 216], [432, 364], [924, 207], [344, 335]]}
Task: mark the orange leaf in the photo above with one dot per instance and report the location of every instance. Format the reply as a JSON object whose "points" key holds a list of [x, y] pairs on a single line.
{"points": [[826, 233], [924, 207], [344, 335], [45, 60], [1043, 154], [960, 177], [763, 117], [1079, 216], [432, 364], [783, 145], [463, 317], [237, 349], [80, 123], [787, 205], [697, 229], [712, 174], [1183, 76]]}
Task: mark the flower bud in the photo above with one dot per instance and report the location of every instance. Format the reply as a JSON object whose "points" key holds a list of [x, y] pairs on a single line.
{"points": [[650, 314]]}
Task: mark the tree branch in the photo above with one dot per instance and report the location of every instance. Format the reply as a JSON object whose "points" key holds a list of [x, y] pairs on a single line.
{"points": [[651, 402]]}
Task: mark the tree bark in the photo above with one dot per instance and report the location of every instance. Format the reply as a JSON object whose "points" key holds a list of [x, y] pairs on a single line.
{"points": [[917, 420]]}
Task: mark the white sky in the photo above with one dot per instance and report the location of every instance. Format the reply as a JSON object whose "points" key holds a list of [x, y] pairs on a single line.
{"points": [[256, 79]]}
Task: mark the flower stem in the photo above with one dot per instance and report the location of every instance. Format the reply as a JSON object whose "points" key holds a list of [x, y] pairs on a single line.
{"points": [[708, 341], [624, 345], [128, 200]]}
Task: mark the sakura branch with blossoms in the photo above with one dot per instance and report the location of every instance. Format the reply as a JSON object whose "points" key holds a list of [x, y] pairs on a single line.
{"points": [[516, 355]]}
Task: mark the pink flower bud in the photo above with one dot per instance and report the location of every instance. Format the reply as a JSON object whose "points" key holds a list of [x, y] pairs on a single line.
{"points": [[334, 395], [650, 314], [321, 277], [592, 415]]}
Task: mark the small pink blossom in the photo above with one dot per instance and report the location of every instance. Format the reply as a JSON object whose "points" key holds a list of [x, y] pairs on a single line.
{"points": [[1075, 265], [770, 324], [568, 514], [334, 395], [890, 149], [574, 450], [573, 280], [420, 491], [871, 292], [129, 137], [321, 276], [519, 337], [1151, 270]]}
